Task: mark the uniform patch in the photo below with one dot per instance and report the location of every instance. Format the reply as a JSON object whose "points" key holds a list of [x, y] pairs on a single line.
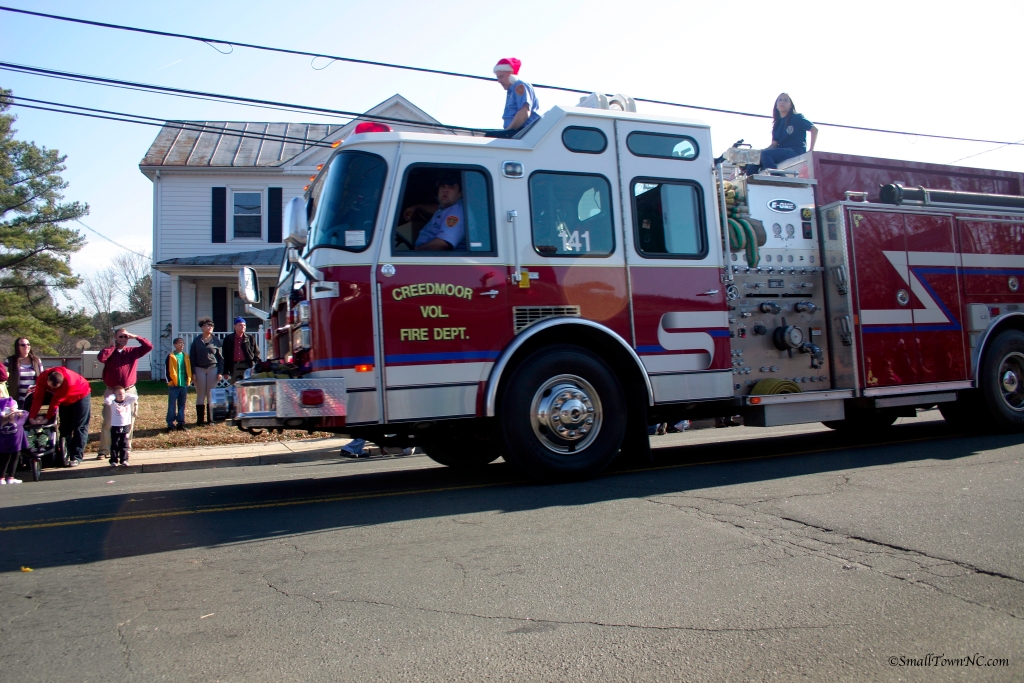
{"points": [[452, 221], [520, 89], [789, 130]]}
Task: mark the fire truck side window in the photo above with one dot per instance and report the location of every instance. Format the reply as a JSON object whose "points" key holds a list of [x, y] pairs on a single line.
{"points": [[662, 146], [347, 208], [461, 212], [571, 214], [667, 219]]}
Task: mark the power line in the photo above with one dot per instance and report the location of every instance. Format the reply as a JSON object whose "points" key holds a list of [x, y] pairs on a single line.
{"points": [[137, 253], [971, 156], [160, 89], [163, 123], [315, 55]]}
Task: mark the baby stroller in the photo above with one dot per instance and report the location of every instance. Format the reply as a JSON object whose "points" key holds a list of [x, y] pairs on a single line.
{"points": [[43, 442]]}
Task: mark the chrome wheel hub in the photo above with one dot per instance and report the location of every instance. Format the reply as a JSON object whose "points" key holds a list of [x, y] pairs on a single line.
{"points": [[566, 414], [1011, 370]]}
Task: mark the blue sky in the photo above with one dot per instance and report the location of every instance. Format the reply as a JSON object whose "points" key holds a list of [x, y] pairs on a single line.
{"points": [[923, 66]]}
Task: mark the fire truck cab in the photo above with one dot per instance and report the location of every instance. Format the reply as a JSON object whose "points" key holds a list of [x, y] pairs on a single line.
{"points": [[601, 273]]}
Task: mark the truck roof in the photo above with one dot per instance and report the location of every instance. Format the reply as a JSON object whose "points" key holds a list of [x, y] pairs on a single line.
{"points": [[552, 118]]}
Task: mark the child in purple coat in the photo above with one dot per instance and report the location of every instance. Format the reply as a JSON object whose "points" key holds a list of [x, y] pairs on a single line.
{"points": [[12, 438]]}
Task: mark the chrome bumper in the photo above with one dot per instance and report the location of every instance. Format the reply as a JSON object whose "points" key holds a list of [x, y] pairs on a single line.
{"points": [[279, 402]]}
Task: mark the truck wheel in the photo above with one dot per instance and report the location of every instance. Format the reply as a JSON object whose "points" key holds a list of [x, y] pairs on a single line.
{"points": [[461, 451], [563, 414], [967, 412], [1001, 379]]}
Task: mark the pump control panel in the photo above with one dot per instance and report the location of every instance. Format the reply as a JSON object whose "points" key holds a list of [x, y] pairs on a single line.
{"points": [[777, 304]]}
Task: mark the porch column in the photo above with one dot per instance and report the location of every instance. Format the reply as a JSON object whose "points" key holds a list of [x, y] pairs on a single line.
{"points": [[175, 305]]}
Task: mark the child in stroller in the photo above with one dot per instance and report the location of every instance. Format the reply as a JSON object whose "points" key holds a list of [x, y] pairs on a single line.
{"points": [[43, 442]]}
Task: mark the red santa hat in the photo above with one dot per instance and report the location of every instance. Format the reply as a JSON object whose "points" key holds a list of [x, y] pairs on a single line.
{"points": [[507, 64]]}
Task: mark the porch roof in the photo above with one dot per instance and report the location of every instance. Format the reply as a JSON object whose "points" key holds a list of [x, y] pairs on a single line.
{"points": [[262, 257]]}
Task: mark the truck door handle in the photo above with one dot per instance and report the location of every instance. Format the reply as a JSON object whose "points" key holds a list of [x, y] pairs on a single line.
{"points": [[493, 293], [710, 292]]}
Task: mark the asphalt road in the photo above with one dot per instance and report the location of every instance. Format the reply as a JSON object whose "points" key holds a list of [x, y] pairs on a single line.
{"points": [[786, 554]]}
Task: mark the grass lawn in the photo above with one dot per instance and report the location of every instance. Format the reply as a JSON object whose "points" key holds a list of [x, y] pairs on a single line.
{"points": [[151, 424]]}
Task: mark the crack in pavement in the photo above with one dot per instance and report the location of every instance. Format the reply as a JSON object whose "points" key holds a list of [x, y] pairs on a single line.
{"points": [[585, 622], [769, 534]]}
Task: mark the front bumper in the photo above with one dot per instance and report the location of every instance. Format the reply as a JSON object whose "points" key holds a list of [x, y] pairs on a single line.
{"points": [[279, 402]]}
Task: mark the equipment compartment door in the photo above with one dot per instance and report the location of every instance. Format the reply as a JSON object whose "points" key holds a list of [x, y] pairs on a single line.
{"points": [[935, 286], [884, 299], [444, 313], [680, 324]]}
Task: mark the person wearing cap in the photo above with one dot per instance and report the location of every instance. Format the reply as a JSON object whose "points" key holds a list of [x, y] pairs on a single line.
{"points": [[446, 229], [240, 352], [120, 365], [520, 100], [70, 392]]}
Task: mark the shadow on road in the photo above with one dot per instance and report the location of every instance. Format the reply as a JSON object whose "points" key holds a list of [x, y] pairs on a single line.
{"points": [[117, 526]]}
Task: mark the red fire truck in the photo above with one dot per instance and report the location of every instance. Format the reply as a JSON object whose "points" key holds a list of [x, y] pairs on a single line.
{"points": [[611, 275]]}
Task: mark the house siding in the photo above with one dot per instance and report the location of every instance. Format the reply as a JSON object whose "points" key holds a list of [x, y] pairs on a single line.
{"points": [[186, 207]]}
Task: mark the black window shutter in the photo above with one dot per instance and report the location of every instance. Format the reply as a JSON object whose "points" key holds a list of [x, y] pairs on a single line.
{"points": [[274, 215], [220, 309], [220, 215]]}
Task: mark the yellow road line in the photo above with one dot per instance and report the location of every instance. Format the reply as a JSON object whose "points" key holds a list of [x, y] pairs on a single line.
{"points": [[180, 512]]}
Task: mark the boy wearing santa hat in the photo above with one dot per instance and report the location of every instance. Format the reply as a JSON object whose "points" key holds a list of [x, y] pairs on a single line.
{"points": [[520, 100]]}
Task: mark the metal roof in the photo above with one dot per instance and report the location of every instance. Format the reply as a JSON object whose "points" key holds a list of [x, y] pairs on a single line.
{"points": [[220, 143], [263, 257]]}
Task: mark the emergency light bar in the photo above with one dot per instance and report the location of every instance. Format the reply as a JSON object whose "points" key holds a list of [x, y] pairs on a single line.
{"points": [[372, 127]]}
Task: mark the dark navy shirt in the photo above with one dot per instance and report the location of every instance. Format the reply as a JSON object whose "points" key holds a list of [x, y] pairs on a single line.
{"points": [[791, 132]]}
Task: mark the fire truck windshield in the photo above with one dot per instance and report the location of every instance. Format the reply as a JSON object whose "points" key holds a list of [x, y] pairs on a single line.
{"points": [[344, 202]]}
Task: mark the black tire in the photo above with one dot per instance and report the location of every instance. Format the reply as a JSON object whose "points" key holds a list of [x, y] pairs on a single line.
{"points": [[461, 451], [575, 386], [37, 469], [1001, 380], [968, 412]]}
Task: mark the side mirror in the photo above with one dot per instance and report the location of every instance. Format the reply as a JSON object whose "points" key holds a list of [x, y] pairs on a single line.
{"points": [[296, 222], [248, 286]]}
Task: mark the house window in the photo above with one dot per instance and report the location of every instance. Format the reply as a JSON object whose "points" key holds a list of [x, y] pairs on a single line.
{"points": [[248, 215]]}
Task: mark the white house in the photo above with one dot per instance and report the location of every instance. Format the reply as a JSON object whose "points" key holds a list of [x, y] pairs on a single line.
{"points": [[217, 206]]}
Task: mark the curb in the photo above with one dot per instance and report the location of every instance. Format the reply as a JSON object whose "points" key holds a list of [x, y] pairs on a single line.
{"points": [[288, 457]]}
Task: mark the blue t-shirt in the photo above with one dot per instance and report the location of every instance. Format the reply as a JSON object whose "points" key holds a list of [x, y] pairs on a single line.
{"points": [[791, 132], [518, 94], [448, 224]]}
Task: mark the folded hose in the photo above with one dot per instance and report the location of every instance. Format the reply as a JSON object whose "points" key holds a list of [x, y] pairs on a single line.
{"points": [[767, 387]]}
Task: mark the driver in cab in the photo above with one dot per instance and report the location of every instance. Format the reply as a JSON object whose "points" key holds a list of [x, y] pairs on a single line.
{"points": [[446, 230]]}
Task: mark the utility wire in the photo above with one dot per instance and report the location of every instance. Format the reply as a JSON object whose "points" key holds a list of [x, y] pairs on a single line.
{"points": [[314, 55], [971, 156], [137, 253], [194, 126], [84, 78]]}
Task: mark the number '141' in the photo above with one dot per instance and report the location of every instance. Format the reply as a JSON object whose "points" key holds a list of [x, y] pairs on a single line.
{"points": [[573, 242]]}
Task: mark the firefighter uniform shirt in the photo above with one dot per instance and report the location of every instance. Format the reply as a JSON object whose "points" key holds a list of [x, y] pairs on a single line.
{"points": [[448, 224], [791, 132], [516, 96]]}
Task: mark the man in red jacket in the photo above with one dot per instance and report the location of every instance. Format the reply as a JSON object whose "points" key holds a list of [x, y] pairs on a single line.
{"points": [[120, 362], [70, 392]]}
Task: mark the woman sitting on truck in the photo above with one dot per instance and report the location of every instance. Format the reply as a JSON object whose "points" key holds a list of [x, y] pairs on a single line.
{"points": [[789, 135]]}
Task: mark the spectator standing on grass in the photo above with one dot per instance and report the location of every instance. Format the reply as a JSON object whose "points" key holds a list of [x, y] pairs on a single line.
{"points": [[120, 363], [179, 376], [207, 367], [241, 352], [121, 406], [12, 438], [70, 392], [23, 368]]}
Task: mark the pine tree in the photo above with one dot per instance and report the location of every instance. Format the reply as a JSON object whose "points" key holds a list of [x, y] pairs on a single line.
{"points": [[35, 250]]}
